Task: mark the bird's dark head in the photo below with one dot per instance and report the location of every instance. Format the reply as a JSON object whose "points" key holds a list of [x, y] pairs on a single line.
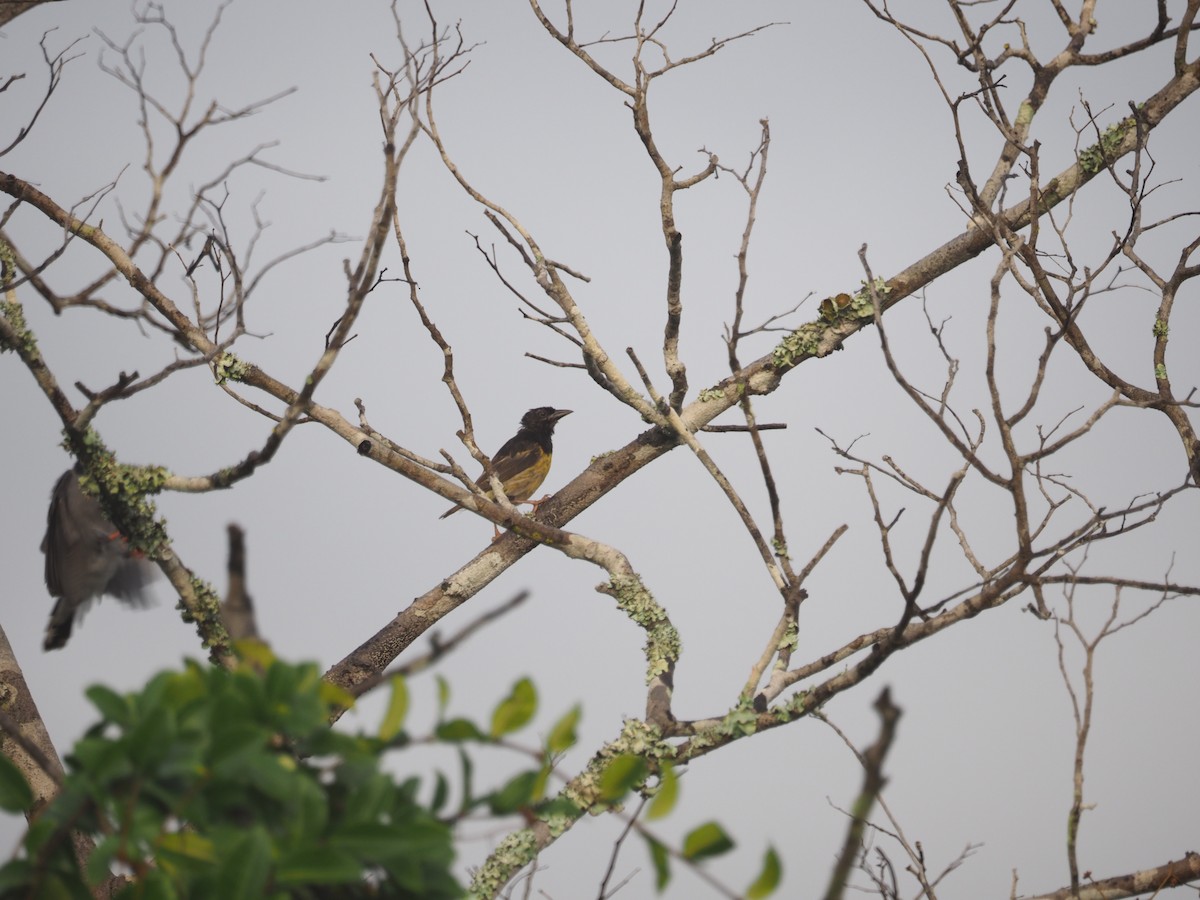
{"points": [[543, 417]]}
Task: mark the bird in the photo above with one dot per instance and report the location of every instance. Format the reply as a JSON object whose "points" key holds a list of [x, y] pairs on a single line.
{"points": [[86, 557], [524, 461]]}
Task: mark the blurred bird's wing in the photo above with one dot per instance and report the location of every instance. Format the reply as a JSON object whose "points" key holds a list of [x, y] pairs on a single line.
{"points": [[85, 554], [128, 583], [67, 524], [86, 557]]}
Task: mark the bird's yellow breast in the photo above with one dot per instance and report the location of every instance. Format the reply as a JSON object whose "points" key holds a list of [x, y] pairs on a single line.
{"points": [[520, 486]]}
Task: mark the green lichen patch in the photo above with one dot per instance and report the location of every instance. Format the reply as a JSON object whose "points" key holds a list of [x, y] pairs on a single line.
{"points": [[662, 647], [1105, 150], [229, 368]]}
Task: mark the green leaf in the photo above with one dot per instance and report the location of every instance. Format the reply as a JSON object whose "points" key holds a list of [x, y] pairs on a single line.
{"points": [[468, 780], [318, 865], [379, 843], [155, 885], [150, 738], [706, 840], [103, 760], [441, 791], [254, 652], [310, 808], [333, 696], [621, 775], [541, 781], [397, 709], [187, 845], [443, 695], [15, 794], [562, 735], [14, 874], [99, 861], [190, 688], [112, 705], [768, 879], [515, 710], [457, 730], [559, 806], [274, 775], [516, 794], [666, 795], [245, 864], [232, 740], [661, 861]]}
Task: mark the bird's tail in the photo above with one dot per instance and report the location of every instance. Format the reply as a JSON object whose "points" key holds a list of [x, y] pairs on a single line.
{"points": [[58, 631], [451, 511]]}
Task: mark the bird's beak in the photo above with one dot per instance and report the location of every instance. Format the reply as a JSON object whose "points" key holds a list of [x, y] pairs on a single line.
{"points": [[560, 414]]}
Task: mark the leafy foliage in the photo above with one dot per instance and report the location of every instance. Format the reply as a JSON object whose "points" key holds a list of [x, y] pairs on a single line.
{"points": [[209, 783], [768, 878]]}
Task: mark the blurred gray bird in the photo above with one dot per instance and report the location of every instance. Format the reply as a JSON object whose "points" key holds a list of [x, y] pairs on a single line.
{"points": [[86, 557]]}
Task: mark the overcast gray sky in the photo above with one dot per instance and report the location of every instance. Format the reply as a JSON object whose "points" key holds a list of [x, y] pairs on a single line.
{"points": [[862, 152]]}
